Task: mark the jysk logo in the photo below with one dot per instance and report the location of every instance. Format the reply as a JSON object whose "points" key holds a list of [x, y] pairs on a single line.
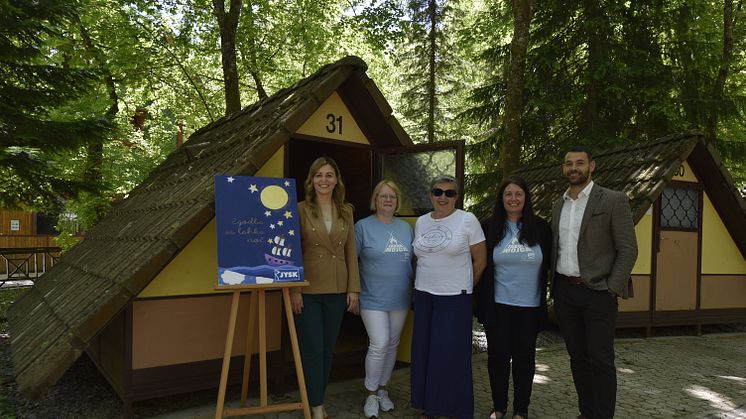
{"points": [[287, 275]]}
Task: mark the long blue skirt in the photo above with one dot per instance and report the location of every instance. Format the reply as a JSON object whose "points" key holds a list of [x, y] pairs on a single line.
{"points": [[441, 355]]}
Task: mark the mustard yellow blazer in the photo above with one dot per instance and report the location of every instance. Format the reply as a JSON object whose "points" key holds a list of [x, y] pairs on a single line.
{"points": [[329, 260]]}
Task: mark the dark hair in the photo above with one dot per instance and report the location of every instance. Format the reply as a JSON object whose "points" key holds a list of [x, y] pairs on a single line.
{"points": [[580, 149], [528, 228]]}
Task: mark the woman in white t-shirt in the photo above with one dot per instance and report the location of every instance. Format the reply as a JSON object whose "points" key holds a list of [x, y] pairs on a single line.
{"points": [[451, 254]]}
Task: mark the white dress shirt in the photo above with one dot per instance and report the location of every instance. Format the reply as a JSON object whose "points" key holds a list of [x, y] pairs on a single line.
{"points": [[569, 230]]}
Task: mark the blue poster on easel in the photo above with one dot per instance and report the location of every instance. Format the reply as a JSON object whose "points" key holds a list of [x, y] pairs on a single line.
{"points": [[258, 231]]}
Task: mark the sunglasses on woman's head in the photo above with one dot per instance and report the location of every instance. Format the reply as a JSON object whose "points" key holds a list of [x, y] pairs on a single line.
{"points": [[450, 193]]}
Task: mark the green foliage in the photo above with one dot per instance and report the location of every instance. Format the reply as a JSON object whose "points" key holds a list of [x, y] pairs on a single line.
{"points": [[433, 75], [66, 240], [617, 74], [35, 82]]}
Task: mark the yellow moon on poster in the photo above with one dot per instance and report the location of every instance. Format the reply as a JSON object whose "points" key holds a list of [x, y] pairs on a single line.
{"points": [[274, 197]]}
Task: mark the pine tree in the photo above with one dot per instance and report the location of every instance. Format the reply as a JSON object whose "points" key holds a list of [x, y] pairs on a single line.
{"points": [[34, 85], [430, 67]]}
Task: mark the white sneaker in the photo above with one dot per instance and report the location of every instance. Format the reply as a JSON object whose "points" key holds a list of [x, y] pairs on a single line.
{"points": [[317, 412], [384, 401], [371, 406]]}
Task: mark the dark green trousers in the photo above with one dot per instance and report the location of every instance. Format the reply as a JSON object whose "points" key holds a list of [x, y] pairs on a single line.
{"points": [[318, 327]]}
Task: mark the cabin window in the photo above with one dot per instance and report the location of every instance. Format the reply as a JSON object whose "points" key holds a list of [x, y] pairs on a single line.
{"points": [[680, 208], [45, 224], [413, 172]]}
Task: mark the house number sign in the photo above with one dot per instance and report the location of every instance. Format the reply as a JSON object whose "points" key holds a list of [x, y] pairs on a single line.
{"points": [[335, 124]]}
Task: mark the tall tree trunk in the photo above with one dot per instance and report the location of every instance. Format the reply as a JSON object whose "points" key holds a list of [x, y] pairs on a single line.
{"points": [[251, 54], [725, 61], [93, 173], [259, 85], [590, 114], [690, 81], [228, 23], [431, 91], [510, 150]]}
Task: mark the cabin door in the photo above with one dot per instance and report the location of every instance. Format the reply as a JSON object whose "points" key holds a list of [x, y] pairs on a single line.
{"points": [[355, 166], [678, 226], [413, 167]]}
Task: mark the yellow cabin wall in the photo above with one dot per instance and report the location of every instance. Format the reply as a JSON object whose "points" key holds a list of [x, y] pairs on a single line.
{"points": [[320, 124], [685, 175], [719, 252], [194, 270], [644, 234], [275, 166]]}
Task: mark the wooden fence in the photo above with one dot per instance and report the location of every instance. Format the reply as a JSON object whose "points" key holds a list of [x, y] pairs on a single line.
{"points": [[12, 241], [26, 264]]}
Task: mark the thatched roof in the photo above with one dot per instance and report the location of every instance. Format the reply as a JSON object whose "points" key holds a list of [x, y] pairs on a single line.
{"points": [[642, 171], [54, 321]]}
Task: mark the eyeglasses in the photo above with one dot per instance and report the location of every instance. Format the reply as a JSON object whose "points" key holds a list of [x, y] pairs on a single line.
{"points": [[450, 193], [385, 197]]}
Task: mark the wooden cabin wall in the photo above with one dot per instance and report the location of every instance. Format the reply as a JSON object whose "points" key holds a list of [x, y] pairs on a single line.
{"points": [[167, 331], [641, 272], [16, 241], [723, 265], [107, 351], [25, 223]]}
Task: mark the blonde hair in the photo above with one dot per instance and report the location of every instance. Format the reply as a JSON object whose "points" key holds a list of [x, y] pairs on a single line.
{"points": [[344, 209], [377, 190]]}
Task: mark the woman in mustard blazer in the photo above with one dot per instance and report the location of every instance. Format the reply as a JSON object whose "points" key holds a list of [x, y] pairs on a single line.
{"points": [[330, 267]]}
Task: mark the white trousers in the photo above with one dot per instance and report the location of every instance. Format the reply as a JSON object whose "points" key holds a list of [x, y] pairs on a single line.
{"points": [[384, 331]]}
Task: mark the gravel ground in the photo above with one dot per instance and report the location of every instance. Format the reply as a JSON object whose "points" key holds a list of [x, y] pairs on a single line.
{"points": [[83, 393]]}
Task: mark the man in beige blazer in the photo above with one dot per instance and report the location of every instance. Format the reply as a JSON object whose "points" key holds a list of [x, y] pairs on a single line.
{"points": [[594, 251]]}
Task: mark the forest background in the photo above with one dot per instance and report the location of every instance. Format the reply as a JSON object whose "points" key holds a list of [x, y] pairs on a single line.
{"points": [[95, 93]]}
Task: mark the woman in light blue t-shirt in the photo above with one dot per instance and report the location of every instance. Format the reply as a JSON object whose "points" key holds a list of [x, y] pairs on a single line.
{"points": [[511, 297], [384, 246]]}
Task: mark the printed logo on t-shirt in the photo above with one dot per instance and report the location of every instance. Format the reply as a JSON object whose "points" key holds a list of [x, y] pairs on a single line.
{"points": [[394, 245], [435, 239], [517, 247]]}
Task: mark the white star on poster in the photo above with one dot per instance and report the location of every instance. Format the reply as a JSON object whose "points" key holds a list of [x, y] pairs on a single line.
{"points": [[287, 183], [291, 232], [279, 223], [272, 226], [288, 214], [269, 241], [231, 179], [253, 188], [267, 213]]}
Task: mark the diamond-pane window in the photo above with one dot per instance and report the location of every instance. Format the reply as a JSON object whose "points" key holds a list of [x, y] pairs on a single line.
{"points": [[679, 208], [412, 172]]}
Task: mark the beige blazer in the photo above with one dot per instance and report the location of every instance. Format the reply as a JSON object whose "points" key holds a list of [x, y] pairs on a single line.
{"points": [[329, 260], [607, 246]]}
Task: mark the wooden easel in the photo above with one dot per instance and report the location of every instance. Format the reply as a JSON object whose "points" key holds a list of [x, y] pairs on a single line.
{"points": [[258, 293]]}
